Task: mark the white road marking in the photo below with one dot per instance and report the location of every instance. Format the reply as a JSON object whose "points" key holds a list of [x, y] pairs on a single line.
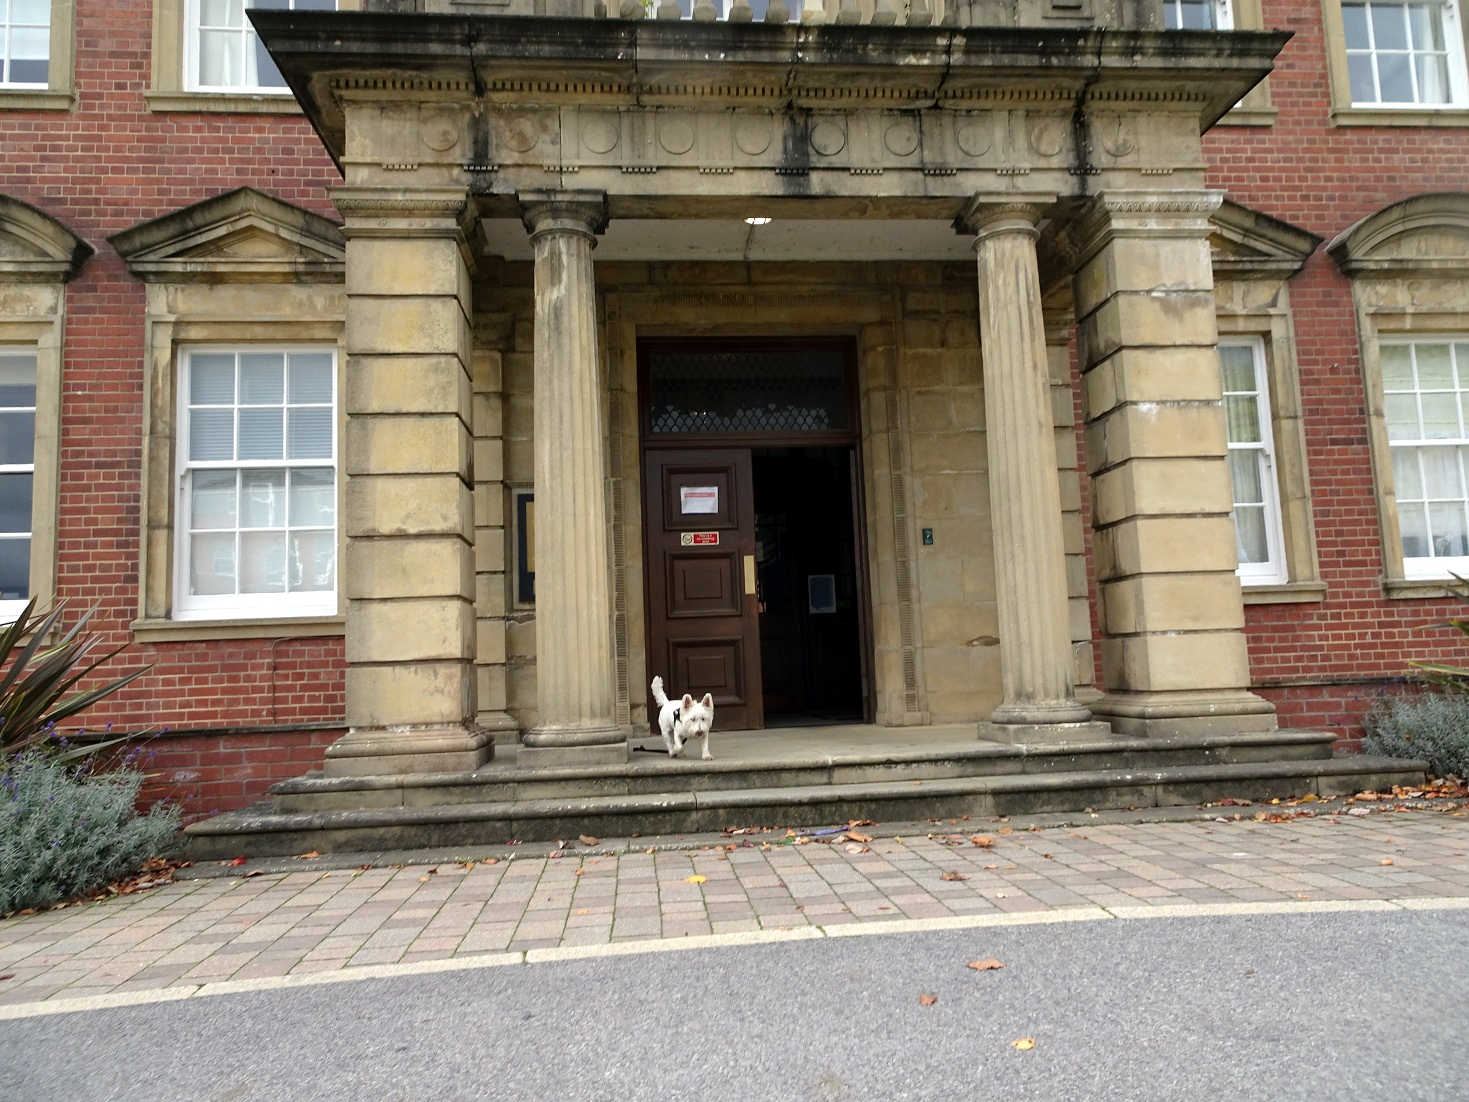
{"points": [[16, 1011]]}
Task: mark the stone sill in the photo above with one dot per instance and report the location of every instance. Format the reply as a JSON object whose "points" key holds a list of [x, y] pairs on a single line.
{"points": [[1289, 593], [1398, 589], [223, 103], [1249, 116], [184, 631], [35, 99], [1387, 116]]}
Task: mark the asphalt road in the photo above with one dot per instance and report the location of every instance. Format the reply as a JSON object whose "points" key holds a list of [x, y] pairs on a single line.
{"points": [[1326, 1006]]}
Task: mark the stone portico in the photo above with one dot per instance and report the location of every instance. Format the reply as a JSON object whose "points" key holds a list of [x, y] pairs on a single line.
{"points": [[1067, 160]]}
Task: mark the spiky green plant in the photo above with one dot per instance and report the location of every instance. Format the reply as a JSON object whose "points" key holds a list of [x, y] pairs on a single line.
{"points": [[38, 672]]}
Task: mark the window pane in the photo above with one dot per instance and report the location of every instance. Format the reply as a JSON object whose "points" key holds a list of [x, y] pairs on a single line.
{"points": [[219, 58], [15, 569], [262, 499], [313, 498], [221, 13], [1435, 372], [15, 502], [1427, 31], [263, 562], [1433, 78], [1197, 17], [1397, 366], [1413, 524], [1243, 416], [313, 561], [1249, 531], [1450, 536], [17, 437], [1440, 416], [1407, 479], [262, 378], [311, 377], [260, 434], [1394, 75], [1237, 364], [211, 379], [266, 73], [315, 5], [213, 500], [211, 434], [1354, 22], [1441, 473], [212, 564], [311, 434], [1402, 417], [1244, 473], [30, 11], [1359, 73], [1389, 30], [18, 380]]}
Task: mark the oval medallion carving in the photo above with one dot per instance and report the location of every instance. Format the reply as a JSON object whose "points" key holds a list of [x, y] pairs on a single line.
{"points": [[901, 137], [439, 130], [520, 133], [599, 133], [1115, 136], [752, 134], [974, 134], [675, 133], [828, 137], [1048, 137]]}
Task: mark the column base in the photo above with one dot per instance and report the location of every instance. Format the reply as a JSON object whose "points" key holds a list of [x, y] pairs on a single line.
{"points": [[392, 751], [1186, 713], [1026, 734], [551, 746], [1046, 712]]}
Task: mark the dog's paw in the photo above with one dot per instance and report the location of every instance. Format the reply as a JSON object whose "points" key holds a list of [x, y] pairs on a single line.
{"points": [[707, 756]]}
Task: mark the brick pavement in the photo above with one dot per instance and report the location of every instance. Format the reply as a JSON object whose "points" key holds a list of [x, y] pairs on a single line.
{"points": [[200, 931]]}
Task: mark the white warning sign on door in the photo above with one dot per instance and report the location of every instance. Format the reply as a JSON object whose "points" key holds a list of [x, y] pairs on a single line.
{"points": [[698, 499]]}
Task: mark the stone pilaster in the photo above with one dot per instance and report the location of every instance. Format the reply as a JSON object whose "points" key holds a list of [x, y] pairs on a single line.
{"points": [[1037, 685], [491, 590], [575, 696], [409, 511], [1173, 645]]}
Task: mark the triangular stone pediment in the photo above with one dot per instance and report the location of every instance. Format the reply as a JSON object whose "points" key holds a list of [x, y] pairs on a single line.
{"points": [[243, 236], [1247, 244], [36, 247], [1424, 235]]}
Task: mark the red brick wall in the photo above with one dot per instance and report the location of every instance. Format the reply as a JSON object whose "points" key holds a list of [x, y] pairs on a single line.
{"points": [[102, 167], [1324, 178]]}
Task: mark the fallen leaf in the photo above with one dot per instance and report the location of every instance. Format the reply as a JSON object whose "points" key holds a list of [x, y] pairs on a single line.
{"points": [[853, 847], [7, 976], [1007, 830], [860, 823], [490, 861], [363, 868], [952, 874], [583, 911], [927, 1000], [982, 840], [697, 878], [989, 964], [252, 872], [1025, 1044], [236, 862], [312, 856], [433, 871], [1358, 811], [423, 879], [858, 836], [1385, 861], [586, 839]]}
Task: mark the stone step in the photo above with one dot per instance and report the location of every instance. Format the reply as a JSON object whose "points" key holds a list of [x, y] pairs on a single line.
{"points": [[651, 774], [262, 831]]}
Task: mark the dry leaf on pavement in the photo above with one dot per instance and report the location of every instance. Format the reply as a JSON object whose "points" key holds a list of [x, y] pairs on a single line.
{"points": [[1385, 861], [982, 840], [697, 878], [312, 856], [858, 836], [989, 964], [927, 1000], [1025, 1044], [586, 839], [953, 874]]}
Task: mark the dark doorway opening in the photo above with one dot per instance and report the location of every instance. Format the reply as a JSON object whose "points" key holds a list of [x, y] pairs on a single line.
{"points": [[808, 593]]}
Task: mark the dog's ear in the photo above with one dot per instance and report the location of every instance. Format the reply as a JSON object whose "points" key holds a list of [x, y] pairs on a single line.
{"points": [[688, 701], [708, 700]]}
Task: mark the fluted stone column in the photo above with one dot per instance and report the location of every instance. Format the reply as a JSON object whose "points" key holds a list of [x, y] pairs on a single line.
{"points": [[1039, 696], [574, 664], [409, 519]]}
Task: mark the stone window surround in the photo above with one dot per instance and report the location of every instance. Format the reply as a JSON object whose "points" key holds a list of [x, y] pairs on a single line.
{"points": [[60, 93], [1422, 294], [1342, 111], [169, 89], [1255, 109]]}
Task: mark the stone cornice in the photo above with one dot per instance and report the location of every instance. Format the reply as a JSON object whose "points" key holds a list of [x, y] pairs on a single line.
{"points": [[1257, 246], [1425, 235], [41, 249], [329, 59]]}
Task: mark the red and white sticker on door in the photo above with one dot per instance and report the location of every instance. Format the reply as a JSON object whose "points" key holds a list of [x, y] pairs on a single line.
{"points": [[698, 539], [698, 499]]}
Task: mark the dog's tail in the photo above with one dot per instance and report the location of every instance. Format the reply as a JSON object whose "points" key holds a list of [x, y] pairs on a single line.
{"points": [[659, 696]]}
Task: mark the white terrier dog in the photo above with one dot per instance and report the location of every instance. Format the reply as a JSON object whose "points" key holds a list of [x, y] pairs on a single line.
{"points": [[681, 720]]}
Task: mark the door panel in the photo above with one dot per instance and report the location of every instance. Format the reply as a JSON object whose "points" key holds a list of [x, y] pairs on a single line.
{"points": [[703, 634]]}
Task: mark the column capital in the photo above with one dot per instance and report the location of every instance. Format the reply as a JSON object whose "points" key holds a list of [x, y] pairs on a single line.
{"points": [[553, 211], [986, 214], [1118, 214], [403, 212]]}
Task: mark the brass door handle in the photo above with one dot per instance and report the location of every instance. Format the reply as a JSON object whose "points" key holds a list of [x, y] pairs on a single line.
{"points": [[749, 575]]}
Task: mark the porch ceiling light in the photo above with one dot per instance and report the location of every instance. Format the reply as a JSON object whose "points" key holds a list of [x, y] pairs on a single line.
{"points": [[756, 220]]}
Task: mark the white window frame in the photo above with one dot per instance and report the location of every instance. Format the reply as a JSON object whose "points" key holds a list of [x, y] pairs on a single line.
{"points": [[1420, 567], [312, 603], [7, 24], [11, 608], [1274, 570], [1223, 15], [1453, 34], [248, 85]]}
